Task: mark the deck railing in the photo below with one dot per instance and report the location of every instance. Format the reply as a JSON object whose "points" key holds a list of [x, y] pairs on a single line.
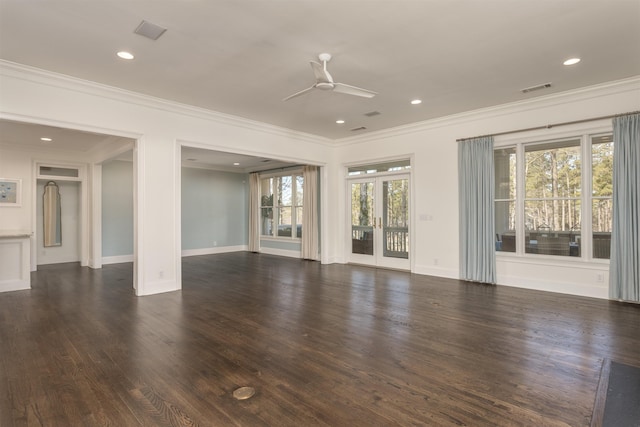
{"points": [[396, 239]]}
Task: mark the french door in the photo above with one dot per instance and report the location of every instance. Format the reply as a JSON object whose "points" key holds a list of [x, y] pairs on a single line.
{"points": [[379, 221]]}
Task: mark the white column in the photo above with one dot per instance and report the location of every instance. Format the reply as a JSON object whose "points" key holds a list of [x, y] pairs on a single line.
{"points": [[156, 197]]}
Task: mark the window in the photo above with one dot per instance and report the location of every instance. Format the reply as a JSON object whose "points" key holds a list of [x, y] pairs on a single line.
{"points": [[552, 212], [542, 202], [281, 206], [505, 194], [601, 194], [392, 166]]}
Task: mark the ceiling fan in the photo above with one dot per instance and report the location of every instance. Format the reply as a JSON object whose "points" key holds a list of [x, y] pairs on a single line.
{"points": [[324, 81]]}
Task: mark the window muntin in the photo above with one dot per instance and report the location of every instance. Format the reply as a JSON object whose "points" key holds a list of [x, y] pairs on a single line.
{"points": [[281, 206]]}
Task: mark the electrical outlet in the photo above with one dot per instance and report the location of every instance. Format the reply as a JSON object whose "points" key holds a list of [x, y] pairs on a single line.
{"points": [[600, 277], [215, 243], [435, 261], [161, 274]]}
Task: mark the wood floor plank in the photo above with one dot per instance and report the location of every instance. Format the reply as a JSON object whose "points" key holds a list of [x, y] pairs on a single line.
{"points": [[326, 345]]}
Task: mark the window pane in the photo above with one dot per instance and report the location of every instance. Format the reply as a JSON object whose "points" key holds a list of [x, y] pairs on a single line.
{"points": [[266, 191], [505, 173], [266, 223], [542, 238], [362, 212], [602, 188], [299, 190], [396, 165], [284, 197], [299, 222], [601, 219], [284, 222], [553, 170], [505, 216], [602, 160]]}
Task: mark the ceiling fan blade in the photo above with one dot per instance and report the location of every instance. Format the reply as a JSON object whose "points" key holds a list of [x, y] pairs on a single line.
{"points": [[302, 92], [352, 90], [322, 75]]}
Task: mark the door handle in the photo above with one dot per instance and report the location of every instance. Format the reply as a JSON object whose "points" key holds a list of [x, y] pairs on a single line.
{"points": [[379, 222]]}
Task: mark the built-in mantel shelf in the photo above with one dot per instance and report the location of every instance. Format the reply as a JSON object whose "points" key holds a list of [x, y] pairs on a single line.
{"points": [[15, 260]]}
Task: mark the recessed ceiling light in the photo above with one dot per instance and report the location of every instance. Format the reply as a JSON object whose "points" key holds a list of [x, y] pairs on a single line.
{"points": [[125, 55], [416, 102], [571, 61], [340, 121], [236, 164], [45, 139]]}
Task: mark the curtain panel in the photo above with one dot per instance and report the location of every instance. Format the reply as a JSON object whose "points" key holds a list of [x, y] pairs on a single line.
{"points": [[624, 266], [254, 212], [310, 238], [476, 199]]}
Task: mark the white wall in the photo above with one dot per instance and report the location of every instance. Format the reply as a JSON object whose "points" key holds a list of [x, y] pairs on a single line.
{"points": [[33, 95], [435, 180], [160, 127]]}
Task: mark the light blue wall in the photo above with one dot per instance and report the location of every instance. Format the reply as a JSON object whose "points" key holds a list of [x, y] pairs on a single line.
{"points": [[215, 208], [117, 208]]}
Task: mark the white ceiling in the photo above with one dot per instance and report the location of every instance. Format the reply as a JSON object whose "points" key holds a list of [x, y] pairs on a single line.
{"points": [[242, 57]]}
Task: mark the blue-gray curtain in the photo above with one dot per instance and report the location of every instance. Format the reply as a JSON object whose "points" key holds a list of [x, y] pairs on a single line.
{"points": [[476, 196], [624, 269]]}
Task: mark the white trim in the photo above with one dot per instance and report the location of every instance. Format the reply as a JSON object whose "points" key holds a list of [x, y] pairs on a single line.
{"points": [[39, 76], [159, 287], [216, 250], [281, 252], [177, 147], [555, 286], [482, 114], [138, 216], [430, 270], [117, 259], [21, 247], [95, 216]]}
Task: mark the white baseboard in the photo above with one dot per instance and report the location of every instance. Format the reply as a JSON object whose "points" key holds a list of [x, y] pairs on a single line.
{"points": [[14, 285], [434, 270], [216, 250], [281, 252], [579, 289], [158, 287], [118, 259]]}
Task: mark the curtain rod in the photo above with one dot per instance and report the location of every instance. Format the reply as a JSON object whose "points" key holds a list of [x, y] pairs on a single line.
{"points": [[282, 168], [574, 122]]}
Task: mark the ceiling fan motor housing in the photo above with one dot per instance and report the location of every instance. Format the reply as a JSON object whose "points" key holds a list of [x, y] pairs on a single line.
{"points": [[324, 86]]}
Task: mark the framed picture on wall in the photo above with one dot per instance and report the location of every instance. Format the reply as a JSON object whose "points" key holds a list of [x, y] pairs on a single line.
{"points": [[10, 192]]}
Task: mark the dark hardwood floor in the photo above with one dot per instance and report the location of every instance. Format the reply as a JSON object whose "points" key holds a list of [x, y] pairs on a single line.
{"points": [[322, 345]]}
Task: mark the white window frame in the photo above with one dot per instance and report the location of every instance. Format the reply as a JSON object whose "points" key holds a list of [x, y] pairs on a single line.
{"points": [[585, 133], [276, 207]]}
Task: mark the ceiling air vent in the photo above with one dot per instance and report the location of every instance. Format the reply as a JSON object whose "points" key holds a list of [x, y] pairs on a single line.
{"points": [[149, 30], [534, 88], [372, 113], [357, 129]]}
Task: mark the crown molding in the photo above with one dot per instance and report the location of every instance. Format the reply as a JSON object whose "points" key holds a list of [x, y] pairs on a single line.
{"points": [[48, 78], [552, 100]]}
